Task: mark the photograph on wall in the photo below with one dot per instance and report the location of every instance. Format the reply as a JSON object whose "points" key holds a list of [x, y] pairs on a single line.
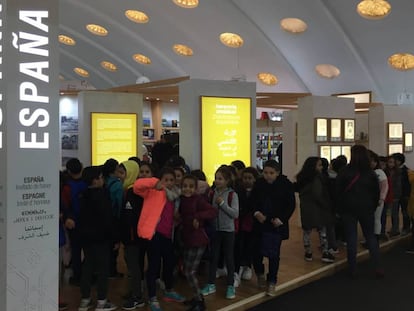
{"points": [[336, 130], [395, 131], [321, 130], [408, 141], [69, 141], [395, 148], [325, 152], [349, 130]]}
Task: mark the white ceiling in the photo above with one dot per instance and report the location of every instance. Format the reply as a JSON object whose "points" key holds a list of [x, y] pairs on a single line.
{"points": [[336, 35]]}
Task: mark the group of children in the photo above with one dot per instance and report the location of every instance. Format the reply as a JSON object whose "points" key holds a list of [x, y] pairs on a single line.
{"points": [[170, 221]]}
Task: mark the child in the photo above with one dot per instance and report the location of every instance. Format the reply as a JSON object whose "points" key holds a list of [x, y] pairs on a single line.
{"points": [[129, 220], [96, 232], [243, 249], [194, 210], [223, 238], [274, 203], [315, 209], [156, 224]]}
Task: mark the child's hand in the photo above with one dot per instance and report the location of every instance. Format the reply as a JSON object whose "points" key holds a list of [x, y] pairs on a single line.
{"points": [[159, 186], [277, 222], [219, 201], [69, 223], [260, 217], [196, 224]]}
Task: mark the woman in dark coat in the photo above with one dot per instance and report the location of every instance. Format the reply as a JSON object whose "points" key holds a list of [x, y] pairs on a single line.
{"points": [[358, 196]]}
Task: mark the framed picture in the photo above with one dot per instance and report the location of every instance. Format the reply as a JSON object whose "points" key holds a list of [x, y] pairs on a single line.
{"points": [[336, 130], [395, 131], [325, 152], [321, 129], [408, 141], [395, 148], [349, 130]]}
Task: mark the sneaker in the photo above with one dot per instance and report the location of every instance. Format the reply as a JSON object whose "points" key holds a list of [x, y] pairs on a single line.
{"points": [[410, 251], [63, 306], [271, 290], [172, 296], [208, 289], [160, 284], [236, 280], [197, 305], [328, 257], [154, 304], [105, 306], [247, 274], [230, 292], [333, 251], [308, 257], [261, 281], [85, 304], [133, 302], [221, 272]]}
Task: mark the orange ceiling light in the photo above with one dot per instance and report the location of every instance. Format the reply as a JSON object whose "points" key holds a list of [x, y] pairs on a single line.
{"points": [[267, 78], [142, 59], [182, 50], [109, 66], [97, 30], [66, 40], [231, 40], [293, 25], [327, 71], [81, 72], [401, 61], [137, 16], [187, 4], [373, 9]]}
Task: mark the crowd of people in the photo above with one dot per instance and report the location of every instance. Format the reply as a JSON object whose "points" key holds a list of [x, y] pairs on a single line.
{"points": [[168, 219]]}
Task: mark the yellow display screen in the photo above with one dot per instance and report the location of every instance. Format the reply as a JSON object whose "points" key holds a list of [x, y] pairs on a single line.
{"points": [[113, 135], [225, 132]]}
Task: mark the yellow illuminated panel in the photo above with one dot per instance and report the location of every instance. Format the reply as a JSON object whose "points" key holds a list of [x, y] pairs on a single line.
{"points": [[113, 135], [225, 132]]}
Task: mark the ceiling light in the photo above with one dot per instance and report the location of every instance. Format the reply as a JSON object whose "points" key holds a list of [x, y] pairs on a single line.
{"points": [[374, 9], [142, 59], [97, 30], [183, 50], [137, 16], [231, 40], [81, 72], [187, 4], [66, 40], [327, 71], [401, 61], [109, 66], [267, 78], [293, 25]]}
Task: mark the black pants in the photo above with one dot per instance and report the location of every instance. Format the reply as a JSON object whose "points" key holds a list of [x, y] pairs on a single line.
{"points": [[132, 255], [225, 240]]}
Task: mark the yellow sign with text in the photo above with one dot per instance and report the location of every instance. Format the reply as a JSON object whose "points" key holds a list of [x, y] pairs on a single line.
{"points": [[225, 132], [113, 135]]}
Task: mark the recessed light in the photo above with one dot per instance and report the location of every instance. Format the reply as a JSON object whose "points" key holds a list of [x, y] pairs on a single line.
{"points": [[109, 66], [231, 40], [187, 4], [97, 30], [183, 50], [401, 61], [267, 78], [81, 72], [142, 59], [374, 9], [66, 40], [293, 25], [137, 16], [327, 71]]}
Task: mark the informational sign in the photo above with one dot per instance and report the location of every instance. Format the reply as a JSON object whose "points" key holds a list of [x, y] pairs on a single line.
{"points": [[225, 132], [29, 155], [113, 135]]}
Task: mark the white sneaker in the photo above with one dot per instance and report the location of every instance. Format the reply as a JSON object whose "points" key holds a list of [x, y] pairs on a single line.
{"points": [[85, 304], [236, 280], [105, 306], [160, 284], [221, 272], [247, 273]]}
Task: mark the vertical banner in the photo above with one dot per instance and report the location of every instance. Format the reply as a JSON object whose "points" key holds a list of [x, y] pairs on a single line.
{"points": [[225, 132], [29, 155]]}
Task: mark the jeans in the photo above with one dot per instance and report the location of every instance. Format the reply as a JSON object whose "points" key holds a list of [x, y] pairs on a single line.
{"points": [[367, 225]]}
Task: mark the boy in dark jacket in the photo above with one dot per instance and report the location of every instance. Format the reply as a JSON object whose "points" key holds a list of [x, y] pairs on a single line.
{"points": [[96, 232]]}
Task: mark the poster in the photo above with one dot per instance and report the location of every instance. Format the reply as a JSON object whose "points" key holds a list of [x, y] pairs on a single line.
{"points": [[321, 130], [225, 132], [113, 135]]}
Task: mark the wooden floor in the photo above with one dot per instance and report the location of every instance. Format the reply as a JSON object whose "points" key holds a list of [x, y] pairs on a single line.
{"points": [[294, 272]]}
